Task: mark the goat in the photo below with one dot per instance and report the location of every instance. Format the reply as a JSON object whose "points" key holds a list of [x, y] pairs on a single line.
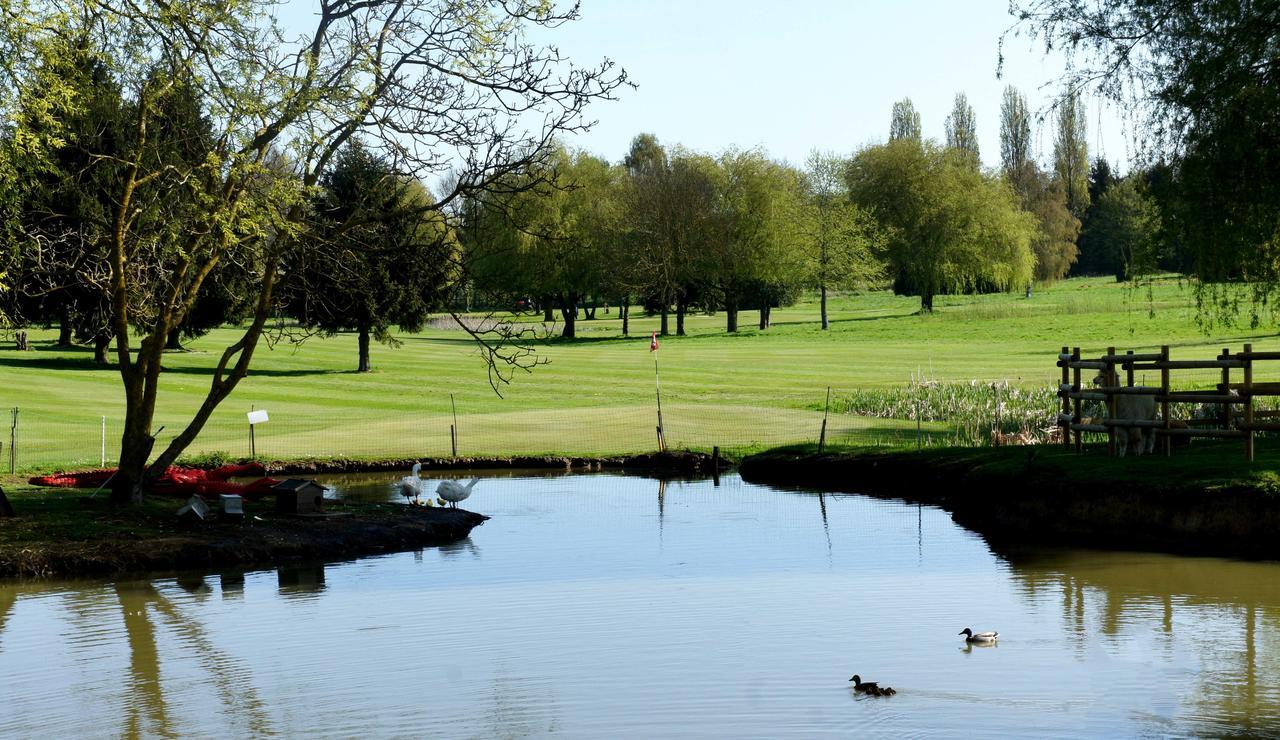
{"points": [[1133, 408]]}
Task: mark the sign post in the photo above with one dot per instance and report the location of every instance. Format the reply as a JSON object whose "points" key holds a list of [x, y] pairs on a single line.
{"points": [[255, 418]]}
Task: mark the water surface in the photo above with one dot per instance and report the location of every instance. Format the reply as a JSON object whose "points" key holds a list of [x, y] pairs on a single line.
{"points": [[610, 606]]}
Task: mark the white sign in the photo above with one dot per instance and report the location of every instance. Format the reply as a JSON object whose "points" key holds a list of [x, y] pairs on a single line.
{"points": [[257, 417]]}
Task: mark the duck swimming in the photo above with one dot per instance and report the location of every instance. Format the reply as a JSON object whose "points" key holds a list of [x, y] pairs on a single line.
{"points": [[979, 637], [870, 688]]}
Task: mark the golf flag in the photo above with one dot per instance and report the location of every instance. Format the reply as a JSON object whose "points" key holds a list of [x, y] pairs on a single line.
{"points": [[653, 343]]}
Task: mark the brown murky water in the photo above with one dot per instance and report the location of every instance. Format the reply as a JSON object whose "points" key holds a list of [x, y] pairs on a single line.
{"points": [[604, 606]]}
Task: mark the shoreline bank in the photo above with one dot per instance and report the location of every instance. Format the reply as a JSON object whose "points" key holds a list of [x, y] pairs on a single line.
{"points": [[65, 532], [1043, 495]]}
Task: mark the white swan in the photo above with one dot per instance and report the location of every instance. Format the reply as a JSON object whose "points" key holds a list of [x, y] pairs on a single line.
{"points": [[453, 491], [979, 637], [410, 486]]}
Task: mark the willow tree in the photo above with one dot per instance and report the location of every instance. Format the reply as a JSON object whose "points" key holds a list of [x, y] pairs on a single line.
{"points": [[1200, 79], [950, 228], [439, 86]]}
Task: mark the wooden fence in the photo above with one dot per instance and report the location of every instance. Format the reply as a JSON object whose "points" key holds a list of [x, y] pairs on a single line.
{"points": [[1229, 422]]}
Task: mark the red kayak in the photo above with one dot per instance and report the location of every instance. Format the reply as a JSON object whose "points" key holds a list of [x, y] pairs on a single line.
{"points": [[176, 481]]}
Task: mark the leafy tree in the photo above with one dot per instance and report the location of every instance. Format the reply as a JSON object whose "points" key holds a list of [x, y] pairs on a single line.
{"points": [[554, 240], [390, 262], [672, 213], [1015, 141], [1201, 78], [904, 122], [1096, 258], [838, 238], [1125, 225], [1071, 153], [436, 85], [756, 260], [1055, 243], [962, 130], [950, 228]]}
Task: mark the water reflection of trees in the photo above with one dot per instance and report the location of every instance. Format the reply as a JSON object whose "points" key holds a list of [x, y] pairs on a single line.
{"points": [[1219, 609]]}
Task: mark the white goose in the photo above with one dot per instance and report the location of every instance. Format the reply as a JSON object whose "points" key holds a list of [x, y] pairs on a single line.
{"points": [[452, 491], [410, 486], [979, 638]]}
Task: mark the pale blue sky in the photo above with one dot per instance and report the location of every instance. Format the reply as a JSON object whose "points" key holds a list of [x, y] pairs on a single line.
{"points": [[793, 76]]}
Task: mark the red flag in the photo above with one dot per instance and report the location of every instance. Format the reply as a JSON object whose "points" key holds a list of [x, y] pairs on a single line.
{"points": [[653, 343]]}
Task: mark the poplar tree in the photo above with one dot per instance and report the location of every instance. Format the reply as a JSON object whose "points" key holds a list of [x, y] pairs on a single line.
{"points": [[1071, 153], [962, 130], [904, 122]]}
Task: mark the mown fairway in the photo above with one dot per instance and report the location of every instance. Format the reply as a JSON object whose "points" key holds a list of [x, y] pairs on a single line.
{"points": [[595, 394]]}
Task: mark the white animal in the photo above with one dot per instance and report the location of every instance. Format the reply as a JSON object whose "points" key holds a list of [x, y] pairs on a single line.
{"points": [[979, 637], [1133, 408], [453, 491], [410, 486]]}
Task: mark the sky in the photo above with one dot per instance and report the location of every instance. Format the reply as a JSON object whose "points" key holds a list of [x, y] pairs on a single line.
{"points": [[791, 77]]}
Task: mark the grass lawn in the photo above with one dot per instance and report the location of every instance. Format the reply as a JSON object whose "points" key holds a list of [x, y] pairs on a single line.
{"points": [[595, 395]]}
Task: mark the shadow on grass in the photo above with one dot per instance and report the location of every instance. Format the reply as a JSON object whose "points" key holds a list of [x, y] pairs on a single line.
{"points": [[87, 363]]}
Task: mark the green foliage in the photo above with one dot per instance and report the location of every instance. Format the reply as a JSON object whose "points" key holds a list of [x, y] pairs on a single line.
{"points": [[1123, 229], [973, 410], [387, 257], [962, 130], [949, 227], [1201, 79], [1055, 243], [1071, 152], [904, 121]]}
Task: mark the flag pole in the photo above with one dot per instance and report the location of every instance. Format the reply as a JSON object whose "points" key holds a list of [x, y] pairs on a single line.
{"points": [[657, 389]]}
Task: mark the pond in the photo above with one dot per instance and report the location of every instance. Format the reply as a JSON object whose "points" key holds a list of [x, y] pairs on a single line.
{"points": [[611, 606]]}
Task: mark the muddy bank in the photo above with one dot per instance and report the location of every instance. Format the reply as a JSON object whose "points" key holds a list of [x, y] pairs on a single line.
{"points": [[110, 542], [1043, 496], [679, 463]]}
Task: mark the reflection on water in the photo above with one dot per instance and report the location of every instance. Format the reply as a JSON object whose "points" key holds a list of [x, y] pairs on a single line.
{"points": [[607, 606]]}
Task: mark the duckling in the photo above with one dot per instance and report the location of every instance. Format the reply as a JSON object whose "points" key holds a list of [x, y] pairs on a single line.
{"points": [[888, 691], [979, 637]]}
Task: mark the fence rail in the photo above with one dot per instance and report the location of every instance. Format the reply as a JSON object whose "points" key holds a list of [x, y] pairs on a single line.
{"points": [[1107, 388]]}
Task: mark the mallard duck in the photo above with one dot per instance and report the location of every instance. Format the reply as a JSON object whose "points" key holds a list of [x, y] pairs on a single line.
{"points": [[978, 637], [870, 688]]}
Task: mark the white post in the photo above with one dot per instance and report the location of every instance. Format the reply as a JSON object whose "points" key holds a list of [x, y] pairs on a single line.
{"points": [[104, 442]]}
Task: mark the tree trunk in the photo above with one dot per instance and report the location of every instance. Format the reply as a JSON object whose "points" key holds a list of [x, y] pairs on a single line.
{"points": [[663, 331], [174, 342], [548, 311], [569, 309], [590, 311], [764, 317], [100, 346], [364, 350], [731, 317], [570, 323], [681, 309], [926, 303], [66, 337], [625, 310], [825, 323]]}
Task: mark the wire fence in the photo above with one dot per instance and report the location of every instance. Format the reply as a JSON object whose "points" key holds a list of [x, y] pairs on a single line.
{"points": [[922, 412], [41, 441]]}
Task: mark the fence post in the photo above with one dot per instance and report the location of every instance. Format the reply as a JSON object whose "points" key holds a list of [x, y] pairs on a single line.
{"points": [[1066, 398], [13, 443], [822, 436], [1112, 380], [1075, 386], [1247, 392], [453, 428], [104, 442], [1164, 404], [1128, 375], [1225, 388]]}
